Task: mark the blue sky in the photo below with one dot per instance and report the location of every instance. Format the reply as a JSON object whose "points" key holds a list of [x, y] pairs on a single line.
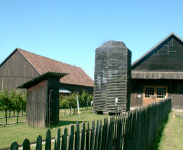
{"points": [[70, 31]]}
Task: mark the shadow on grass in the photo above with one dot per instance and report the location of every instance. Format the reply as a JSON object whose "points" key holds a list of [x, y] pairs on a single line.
{"points": [[64, 123], [155, 145]]}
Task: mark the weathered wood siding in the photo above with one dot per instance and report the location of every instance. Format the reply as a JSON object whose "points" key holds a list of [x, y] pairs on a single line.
{"points": [[138, 88], [15, 71], [36, 104], [166, 57], [100, 79], [177, 101], [112, 77]]}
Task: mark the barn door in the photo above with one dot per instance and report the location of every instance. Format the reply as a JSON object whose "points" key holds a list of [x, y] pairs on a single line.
{"points": [[154, 93]]}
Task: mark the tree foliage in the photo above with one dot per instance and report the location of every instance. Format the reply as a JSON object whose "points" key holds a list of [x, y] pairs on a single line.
{"points": [[12, 101], [70, 100]]}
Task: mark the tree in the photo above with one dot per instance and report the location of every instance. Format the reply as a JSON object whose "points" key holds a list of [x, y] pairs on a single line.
{"points": [[12, 97], [83, 97], [5, 102], [18, 102]]}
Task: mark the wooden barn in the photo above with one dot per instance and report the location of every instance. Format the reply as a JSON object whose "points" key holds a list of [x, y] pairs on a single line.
{"points": [[159, 74], [42, 106], [112, 78], [21, 66]]}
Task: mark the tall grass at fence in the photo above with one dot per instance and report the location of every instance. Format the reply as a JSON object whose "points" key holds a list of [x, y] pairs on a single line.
{"points": [[133, 130]]}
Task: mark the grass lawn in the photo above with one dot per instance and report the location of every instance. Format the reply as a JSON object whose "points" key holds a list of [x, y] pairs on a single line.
{"points": [[172, 136], [19, 132], [13, 119]]}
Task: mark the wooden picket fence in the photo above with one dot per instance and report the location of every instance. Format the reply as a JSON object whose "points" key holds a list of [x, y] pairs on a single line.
{"points": [[128, 131]]}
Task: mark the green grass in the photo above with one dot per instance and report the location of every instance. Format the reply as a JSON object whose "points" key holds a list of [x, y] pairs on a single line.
{"points": [[171, 135], [19, 132], [13, 119]]}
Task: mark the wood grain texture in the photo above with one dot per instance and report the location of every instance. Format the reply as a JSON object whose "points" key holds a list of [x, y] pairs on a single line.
{"points": [[112, 77]]}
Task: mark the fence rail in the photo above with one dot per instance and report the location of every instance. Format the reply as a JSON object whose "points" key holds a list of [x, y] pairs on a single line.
{"points": [[133, 130]]}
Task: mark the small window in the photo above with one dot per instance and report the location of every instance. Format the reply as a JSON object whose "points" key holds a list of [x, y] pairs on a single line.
{"points": [[180, 90], [149, 91], [161, 92]]}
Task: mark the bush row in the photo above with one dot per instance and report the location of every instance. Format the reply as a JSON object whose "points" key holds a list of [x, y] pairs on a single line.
{"points": [[71, 100], [12, 101]]}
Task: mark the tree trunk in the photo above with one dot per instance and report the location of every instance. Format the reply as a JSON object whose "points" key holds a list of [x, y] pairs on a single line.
{"points": [[87, 103], [17, 116], [6, 116]]}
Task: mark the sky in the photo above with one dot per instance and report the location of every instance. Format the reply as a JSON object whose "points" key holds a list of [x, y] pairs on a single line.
{"points": [[70, 31]]}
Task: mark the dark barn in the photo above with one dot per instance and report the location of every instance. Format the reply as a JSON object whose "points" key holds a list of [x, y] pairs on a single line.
{"points": [[159, 73], [42, 106], [112, 77], [21, 66]]}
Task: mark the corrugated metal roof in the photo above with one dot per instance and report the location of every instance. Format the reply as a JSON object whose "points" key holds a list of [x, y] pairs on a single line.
{"points": [[63, 90], [41, 77]]}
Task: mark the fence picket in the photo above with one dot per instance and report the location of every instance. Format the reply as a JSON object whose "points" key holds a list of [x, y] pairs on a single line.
{"points": [[96, 136], [77, 135], [132, 130], [39, 143], [71, 138], [92, 136], [64, 139], [83, 136], [26, 144], [48, 140], [87, 136], [14, 146], [100, 136], [57, 140]]}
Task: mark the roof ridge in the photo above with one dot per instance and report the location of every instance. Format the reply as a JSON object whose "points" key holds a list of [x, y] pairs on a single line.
{"points": [[27, 59], [46, 57]]}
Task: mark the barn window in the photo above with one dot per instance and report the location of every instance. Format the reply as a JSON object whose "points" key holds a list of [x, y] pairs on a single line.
{"points": [[158, 92], [161, 92], [180, 90], [149, 91]]}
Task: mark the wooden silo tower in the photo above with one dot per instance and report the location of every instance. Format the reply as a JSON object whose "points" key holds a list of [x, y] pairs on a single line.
{"points": [[112, 77]]}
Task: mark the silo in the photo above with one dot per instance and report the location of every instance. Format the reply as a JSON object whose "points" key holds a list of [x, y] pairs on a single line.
{"points": [[112, 77]]}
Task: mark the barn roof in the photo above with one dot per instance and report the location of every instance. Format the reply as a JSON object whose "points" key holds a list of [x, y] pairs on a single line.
{"points": [[172, 34], [43, 64]]}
